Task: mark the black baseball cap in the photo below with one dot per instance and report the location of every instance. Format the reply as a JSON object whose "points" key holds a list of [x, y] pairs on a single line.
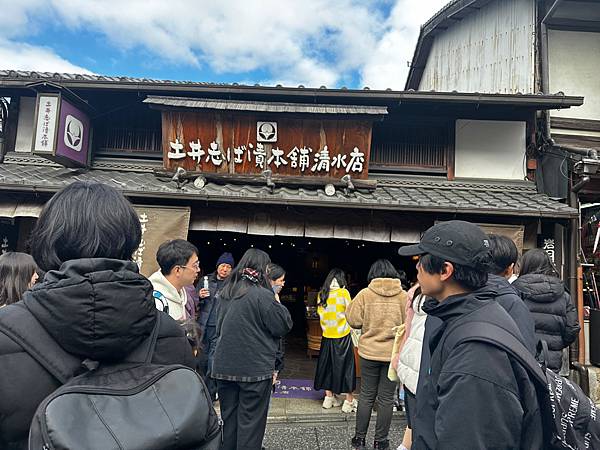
{"points": [[456, 241]]}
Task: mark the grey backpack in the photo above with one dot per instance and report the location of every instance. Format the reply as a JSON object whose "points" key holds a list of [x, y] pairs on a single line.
{"points": [[126, 405]]}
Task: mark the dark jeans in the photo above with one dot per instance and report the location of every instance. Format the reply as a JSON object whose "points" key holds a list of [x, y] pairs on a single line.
{"points": [[244, 408], [209, 343], [375, 385]]}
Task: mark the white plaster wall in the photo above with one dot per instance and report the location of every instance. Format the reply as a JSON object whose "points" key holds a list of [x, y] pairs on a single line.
{"points": [[574, 68], [490, 50], [490, 149], [25, 124]]}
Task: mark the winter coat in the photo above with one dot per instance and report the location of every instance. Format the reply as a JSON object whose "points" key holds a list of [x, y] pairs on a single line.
{"points": [[248, 332], [208, 310], [508, 297], [410, 355], [332, 315], [554, 314], [480, 397], [376, 310], [191, 307], [176, 300], [93, 308]]}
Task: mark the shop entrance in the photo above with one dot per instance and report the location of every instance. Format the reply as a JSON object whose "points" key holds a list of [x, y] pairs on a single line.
{"points": [[307, 262]]}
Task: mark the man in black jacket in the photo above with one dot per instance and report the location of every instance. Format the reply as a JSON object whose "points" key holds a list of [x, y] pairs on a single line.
{"points": [[476, 396], [504, 255], [207, 319]]}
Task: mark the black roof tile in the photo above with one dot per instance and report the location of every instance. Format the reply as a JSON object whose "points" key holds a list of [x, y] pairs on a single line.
{"points": [[426, 194]]}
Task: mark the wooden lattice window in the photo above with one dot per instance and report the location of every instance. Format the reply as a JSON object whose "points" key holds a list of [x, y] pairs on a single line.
{"points": [[419, 146]]}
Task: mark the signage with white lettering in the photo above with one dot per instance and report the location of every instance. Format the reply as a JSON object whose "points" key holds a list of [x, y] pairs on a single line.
{"points": [[46, 125], [548, 247], [303, 159], [62, 131], [290, 145]]}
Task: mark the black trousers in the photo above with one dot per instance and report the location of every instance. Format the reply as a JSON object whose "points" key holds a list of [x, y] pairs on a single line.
{"points": [[375, 385], [244, 408]]}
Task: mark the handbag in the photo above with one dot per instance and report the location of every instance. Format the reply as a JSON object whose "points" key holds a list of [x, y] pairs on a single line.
{"points": [[398, 339]]}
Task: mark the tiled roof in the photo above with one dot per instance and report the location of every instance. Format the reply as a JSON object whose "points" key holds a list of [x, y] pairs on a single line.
{"points": [[18, 78], [419, 194], [58, 76], [276, 107]]}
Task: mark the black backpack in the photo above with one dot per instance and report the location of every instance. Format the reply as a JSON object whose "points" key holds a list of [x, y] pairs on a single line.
{"points": [[570, 418], [128, 405]]}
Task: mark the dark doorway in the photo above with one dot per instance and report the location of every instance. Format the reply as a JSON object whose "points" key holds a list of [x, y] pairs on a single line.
{"points": [[307, 262]]}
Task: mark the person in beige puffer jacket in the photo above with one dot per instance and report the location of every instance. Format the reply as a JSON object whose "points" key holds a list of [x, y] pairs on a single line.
{"points": [[376, 310]]}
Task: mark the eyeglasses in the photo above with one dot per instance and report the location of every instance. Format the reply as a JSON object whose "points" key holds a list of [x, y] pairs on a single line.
{"points": [[195, 266]]}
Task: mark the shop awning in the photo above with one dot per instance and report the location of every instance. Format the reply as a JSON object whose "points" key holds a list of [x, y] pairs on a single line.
{"points": [[12, 210], [339, 225]]}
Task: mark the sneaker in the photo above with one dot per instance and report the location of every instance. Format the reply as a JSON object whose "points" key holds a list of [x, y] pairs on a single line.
{"points": [[330, 402], [381, 445], [358, 443], [349, 407]]}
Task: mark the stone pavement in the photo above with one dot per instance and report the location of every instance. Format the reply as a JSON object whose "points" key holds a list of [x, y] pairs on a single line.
{"points": [[324, 434]]}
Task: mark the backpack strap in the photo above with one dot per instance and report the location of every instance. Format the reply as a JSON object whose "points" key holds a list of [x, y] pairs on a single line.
{"points": [[157, 295], [17, 322], [493, 334], [145, 351]]}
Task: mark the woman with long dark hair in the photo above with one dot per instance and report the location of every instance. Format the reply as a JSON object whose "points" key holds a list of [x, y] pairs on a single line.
{"points": [[18, 273], [250, 323], [336, 373], [544, 293]]}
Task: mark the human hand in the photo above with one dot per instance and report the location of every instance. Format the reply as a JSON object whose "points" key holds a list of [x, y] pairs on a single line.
{"points": [[275, 377], [203, 293]]}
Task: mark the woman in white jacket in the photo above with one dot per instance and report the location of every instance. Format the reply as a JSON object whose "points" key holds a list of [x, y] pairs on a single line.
{"points": [[409, 358]]}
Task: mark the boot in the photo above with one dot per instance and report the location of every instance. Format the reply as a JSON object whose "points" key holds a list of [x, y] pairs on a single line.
{"points": [[381, 445], [358, 443]]}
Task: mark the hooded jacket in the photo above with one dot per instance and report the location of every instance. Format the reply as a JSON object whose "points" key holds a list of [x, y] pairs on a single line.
{"points": [[554, 314], [480, 397], [508, 297], [100, 309], [376, 310], [176, 300]]}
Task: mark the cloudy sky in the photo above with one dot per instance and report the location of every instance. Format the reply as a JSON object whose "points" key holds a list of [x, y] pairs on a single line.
{"points": [[335, 43]]}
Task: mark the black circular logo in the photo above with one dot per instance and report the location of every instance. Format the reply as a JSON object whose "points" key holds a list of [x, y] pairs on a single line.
{"points": [[266, 131]]}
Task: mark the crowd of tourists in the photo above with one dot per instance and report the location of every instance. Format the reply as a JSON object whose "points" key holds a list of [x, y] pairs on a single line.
{"points": [[91, 305]]}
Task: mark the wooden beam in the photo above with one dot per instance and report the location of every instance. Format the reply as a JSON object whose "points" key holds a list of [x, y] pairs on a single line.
{"points": [[258, 180], [575, 124], [574, 25]]}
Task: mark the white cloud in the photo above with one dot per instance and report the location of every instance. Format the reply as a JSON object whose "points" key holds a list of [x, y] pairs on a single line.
{"points": [[388, 64], [313, 42], [19, 56]]}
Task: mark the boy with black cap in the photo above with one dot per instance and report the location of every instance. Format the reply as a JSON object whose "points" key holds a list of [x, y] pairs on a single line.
{"points": [[474, 395]]}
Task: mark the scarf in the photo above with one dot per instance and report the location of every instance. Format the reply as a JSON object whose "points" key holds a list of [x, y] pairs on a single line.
{"points": [[251, 275]]}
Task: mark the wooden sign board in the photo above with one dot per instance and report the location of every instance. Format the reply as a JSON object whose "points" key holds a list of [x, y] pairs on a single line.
{"points": [[249, 143]]}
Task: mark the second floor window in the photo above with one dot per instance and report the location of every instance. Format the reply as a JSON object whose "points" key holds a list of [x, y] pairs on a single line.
{"points": [[420, 146]]}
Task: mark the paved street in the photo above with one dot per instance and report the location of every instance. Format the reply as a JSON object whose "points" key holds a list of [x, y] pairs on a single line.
{"points": [[324, 435]]}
